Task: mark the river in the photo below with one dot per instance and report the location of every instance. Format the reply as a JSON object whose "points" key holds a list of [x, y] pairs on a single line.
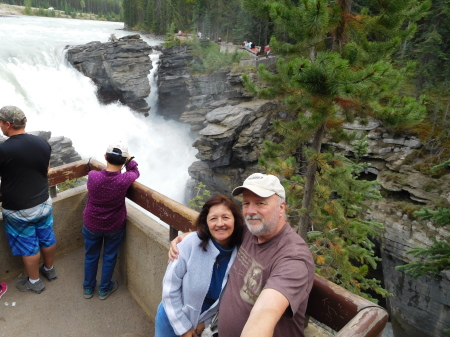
{"points": [[35, 76]]}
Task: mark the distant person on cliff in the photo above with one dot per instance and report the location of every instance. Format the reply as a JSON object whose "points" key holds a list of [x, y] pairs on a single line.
{"points": [[193, 284], [267, 50], [27, 206], [105, 216]]}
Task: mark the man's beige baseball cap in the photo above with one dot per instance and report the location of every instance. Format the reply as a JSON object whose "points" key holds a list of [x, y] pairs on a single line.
{"points": [[264, 185]]}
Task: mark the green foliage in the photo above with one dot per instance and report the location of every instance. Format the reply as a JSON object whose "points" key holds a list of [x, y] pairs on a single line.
{"points": [[339, 239], [361, 148], [171, 40], [336, 66], [435, 259], [208, 57], [111, 9], [202, 194], [28, 10], [431, 47], [67, 185]]}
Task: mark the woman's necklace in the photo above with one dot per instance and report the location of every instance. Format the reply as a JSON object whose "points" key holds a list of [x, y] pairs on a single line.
{"points": [[218, 261]]}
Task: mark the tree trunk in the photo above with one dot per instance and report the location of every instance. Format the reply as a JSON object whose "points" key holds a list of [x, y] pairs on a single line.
{"points": [[304, 222]]}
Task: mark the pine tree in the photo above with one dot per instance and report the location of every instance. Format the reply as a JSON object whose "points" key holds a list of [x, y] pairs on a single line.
{"points": [[335, 67]]}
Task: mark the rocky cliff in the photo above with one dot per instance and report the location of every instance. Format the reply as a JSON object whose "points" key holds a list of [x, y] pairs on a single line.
{"points": [[230, 128], [118, 68]]}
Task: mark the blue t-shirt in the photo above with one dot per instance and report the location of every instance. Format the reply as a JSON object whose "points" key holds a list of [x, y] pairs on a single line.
{"points": [[219, 270]]}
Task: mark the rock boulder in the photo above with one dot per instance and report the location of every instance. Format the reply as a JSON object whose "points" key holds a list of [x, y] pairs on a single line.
{"points": [[118, 68]]}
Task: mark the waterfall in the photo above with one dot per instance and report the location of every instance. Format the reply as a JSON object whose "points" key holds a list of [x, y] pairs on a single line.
{"points": [[35, 76]]}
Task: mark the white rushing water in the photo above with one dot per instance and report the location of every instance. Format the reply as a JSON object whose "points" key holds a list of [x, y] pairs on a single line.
{"points": [[35, 76]]}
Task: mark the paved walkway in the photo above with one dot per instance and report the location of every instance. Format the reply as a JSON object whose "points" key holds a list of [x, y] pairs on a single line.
{"points": [[62, 311]]}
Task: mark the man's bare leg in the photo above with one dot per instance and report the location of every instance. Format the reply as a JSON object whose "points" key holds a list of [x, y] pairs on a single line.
{"points": [[32, 265], [48, 254]]}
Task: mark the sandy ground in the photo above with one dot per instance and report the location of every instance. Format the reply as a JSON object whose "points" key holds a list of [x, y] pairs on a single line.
{"points": [[6, 9]]}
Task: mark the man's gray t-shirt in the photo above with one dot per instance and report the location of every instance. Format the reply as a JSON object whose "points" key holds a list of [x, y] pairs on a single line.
{"points": [[283, 263]]}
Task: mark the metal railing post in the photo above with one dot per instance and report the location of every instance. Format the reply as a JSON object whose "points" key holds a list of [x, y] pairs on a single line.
{"points": [[53, 192], [173, 233]]}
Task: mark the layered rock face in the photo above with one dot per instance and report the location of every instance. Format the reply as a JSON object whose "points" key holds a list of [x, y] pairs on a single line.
{"points": [[173, 95], [421, 307], [230, 129], [229, 125], [179, 92], [118, 68]]}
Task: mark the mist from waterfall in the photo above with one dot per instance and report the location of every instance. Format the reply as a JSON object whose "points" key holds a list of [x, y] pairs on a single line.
{"points": [[35, 76]]}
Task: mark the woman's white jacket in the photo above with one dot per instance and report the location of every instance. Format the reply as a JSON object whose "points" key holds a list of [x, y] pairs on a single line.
{"points": [[186, 284]]}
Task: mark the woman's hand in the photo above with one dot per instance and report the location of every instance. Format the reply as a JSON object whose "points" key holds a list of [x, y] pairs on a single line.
{"points": [[190, 333], [200, 328]]}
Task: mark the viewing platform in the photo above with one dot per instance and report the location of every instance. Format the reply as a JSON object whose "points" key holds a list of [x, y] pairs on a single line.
{"points": [[62, 310]]}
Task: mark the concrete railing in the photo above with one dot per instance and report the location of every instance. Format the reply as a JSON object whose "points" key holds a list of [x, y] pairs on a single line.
{"points": [[143, 258]]}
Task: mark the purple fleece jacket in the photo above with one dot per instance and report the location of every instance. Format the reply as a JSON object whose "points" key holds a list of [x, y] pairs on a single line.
{"points": [[105, 209]]}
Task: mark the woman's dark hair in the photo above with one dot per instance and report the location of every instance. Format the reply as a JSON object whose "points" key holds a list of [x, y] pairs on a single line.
{"points": [[115, 159], [202, 225]]}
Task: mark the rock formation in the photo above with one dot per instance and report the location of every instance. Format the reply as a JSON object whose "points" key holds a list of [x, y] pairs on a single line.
{"points": [[230, 129], [173, 95], [179, 92], [118, 68]]}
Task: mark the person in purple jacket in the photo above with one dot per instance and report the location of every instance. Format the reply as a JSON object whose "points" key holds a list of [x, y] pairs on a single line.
{"points": [[104, 218]]}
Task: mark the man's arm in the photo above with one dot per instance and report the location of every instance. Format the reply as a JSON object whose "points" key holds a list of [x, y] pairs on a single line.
{"points": [[267, 311], [173, 249]]}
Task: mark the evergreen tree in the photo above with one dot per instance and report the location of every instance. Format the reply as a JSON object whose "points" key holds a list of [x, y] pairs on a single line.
{"points": [[335, 66], [206, 26], [431, 47]]}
